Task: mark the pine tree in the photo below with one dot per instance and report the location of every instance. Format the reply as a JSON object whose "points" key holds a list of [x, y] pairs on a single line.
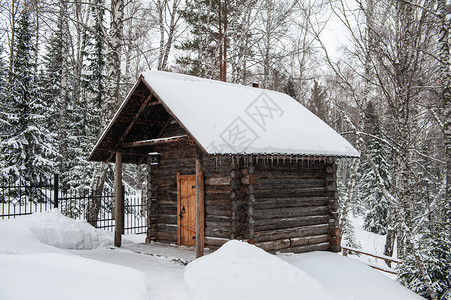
{"points": [[376, 218], [94, 104], [318, 101], [347, 228], [3, 102], [27, 146], [86, 122], [3, 92], [209, 43], [435, 248], [57, 94]]}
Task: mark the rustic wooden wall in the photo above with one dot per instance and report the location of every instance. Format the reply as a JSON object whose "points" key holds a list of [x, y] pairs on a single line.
{"points": [[218, 202], [175, 157], [162, 181], [289, 204], [278, 204]]}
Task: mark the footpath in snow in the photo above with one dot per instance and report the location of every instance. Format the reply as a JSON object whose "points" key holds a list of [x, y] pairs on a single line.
{"points": [[48, 256]]}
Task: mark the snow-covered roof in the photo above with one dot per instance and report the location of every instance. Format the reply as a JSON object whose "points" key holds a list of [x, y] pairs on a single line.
{"points": [[227, 118]]}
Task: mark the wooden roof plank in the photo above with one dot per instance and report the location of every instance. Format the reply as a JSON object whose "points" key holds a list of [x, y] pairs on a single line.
{"points": [[129, 127]]}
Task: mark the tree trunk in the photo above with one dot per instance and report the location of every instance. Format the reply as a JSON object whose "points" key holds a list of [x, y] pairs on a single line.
{"points": [[446, 101]]}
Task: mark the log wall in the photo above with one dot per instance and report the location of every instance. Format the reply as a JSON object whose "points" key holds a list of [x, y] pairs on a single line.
{"points": [[291, 205], [280, 205]]}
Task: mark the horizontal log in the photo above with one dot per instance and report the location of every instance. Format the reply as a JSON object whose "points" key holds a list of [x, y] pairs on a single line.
{"points": [[261, 236], [276, 245], [309, 240], [290, 212], [218, 210], [168, 209], [166, 227], [168, 201], [176, 164], [306, 248], [277, 185], [266, 203], [217, 189], [166, 237], [215, 242], [218, 202], [166, 219], [217, 232], [294, 192], [171, 173], [218, 196], [212, 172], [167, 198], [217, 221], [175, 147], [283, 223], [212, 181], [153, 142]]}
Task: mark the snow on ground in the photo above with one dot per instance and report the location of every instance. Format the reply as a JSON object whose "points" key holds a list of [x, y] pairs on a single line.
{"points": [[87, 266], [164, 273], [348, 278], [52, 228], [239, 270], [372, 243], [31, 268]]}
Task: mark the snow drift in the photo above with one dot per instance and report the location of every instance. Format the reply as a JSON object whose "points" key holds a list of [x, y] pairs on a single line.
{"points": [[239, 270], [52, 228], [242, 271], [347, 277]]}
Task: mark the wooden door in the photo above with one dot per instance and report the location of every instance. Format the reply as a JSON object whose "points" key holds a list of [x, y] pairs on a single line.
{"points": [[186, 210]]}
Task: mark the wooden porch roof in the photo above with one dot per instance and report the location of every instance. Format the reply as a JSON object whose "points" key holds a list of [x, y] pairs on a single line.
{"points": [[141, 117]]}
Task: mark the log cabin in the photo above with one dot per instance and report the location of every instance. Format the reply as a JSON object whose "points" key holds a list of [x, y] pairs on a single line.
{"points": [[226, 161]]}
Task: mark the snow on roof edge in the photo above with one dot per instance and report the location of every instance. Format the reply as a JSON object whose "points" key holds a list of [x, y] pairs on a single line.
{"points": [[150, 76]]}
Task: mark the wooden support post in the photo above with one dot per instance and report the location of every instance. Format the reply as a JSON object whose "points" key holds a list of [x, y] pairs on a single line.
{"points": [[119, 205], [200, 206], [149, 200]]}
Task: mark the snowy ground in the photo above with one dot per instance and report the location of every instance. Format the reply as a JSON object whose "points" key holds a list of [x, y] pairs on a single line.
{"points": [[48, 256], [371, 243]]}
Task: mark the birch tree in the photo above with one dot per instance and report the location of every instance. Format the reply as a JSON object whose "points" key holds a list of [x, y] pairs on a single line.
{"points": [[168, 23]]}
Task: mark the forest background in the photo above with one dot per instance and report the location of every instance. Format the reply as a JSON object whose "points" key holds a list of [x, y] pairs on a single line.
{"points": [[65, 67]]}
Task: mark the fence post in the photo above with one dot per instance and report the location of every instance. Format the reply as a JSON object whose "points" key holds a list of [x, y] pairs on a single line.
{"points": [[55, 191], [123, 210]]}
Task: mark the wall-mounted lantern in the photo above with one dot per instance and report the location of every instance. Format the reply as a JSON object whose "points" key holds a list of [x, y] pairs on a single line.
{"points": [[154, 158]]}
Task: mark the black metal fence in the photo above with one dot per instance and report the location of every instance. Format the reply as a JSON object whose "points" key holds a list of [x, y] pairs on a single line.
{"points": [[21, 197]]}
